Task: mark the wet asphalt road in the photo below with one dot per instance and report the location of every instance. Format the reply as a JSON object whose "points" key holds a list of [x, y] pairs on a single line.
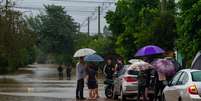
{"points": [[40, 83]]}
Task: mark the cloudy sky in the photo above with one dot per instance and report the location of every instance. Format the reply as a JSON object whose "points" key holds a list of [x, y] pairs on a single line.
{"points": [[80, 10]]}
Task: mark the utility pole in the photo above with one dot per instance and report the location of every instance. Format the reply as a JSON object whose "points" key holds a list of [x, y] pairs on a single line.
{"points": [[99, 20], [88, 25]]}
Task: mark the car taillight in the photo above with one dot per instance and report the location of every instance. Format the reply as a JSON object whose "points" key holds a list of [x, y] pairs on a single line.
{"points": [[130, 79], [193, 90]]}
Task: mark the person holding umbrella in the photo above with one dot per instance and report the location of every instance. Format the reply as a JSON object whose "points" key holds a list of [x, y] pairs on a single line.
{"points": [[141, 66], [91, 74], [81, 70], [165, 68], [91, 81]]}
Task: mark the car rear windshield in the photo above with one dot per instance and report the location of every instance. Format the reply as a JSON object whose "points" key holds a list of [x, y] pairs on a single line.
{"points": [[132, 72], [196, 76]]}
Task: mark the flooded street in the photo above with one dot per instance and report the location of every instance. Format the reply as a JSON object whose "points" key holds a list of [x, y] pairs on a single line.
{"points": [[39, 83]]}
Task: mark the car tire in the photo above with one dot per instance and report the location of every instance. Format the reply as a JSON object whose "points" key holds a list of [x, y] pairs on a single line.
{"points": [[123, 97]]}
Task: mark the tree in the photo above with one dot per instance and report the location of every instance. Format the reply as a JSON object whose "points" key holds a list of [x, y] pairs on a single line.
{"points": [[143, 24], [189, 29], [16, 41], [56, 31]]}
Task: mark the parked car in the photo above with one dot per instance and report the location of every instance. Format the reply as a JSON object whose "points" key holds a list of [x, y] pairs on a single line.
{"points": [[185, 86], [126, 84]]}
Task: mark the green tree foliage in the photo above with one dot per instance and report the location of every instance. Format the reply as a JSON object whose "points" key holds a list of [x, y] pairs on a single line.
{"points": [[16, 41], [56, 31], [136, 23], [189, 29]]}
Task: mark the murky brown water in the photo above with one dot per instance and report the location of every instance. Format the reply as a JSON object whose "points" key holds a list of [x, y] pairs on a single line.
{"points": [[39, 83]]}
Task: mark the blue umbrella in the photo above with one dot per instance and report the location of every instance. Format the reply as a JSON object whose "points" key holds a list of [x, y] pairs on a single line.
{"points": [[149, 50], [93, 58]]}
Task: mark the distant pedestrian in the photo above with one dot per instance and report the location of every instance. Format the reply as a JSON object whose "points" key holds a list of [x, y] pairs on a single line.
{"points": [[68, 71], [60, 70], [81, 73], [142, 83]]}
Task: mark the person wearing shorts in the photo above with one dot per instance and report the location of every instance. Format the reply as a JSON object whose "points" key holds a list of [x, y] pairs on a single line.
{"points": [[91, 81]]}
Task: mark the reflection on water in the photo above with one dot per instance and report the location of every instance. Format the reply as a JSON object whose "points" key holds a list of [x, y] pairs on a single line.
{"points": [[37, 82]]}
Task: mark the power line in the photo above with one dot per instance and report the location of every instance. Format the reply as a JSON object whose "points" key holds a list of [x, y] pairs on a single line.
{"points": [[39, 8]]}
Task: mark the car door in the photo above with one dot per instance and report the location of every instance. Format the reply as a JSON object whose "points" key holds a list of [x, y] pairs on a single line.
{"points": [[118, 82], [180, 87], [170, 90]]}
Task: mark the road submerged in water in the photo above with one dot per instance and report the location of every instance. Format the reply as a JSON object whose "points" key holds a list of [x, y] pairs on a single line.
{"points": [[40, 83]]}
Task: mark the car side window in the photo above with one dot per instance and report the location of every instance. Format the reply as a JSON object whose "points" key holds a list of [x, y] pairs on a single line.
{"points": [[122, 72], [185, 78], [176, 78]]}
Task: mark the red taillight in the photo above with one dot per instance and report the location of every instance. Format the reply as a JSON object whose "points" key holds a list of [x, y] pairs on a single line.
{"points": [[130, 79], [193, 90]]}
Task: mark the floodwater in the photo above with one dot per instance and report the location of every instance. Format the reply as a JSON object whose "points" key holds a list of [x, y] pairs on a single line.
{"points": [[39, 83]]}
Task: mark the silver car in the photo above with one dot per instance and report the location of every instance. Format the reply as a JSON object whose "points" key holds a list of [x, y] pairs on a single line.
{"points": [[185, 86], [126, 84]]}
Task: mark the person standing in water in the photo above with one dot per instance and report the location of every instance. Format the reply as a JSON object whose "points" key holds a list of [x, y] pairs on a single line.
{"points": [[80, 73], [60, 70]]}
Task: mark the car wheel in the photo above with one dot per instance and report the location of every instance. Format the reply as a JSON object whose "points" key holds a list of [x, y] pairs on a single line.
{"points": [[123, 97]]}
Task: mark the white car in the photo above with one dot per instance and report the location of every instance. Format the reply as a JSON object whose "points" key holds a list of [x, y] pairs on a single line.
{"points": [[185, 86], [126, 84]]}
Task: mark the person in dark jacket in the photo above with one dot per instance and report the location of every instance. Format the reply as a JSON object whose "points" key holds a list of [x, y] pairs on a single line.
{"points": [[60, 70], [119, 66], [68, 71], [142, 83], [109, 69]]}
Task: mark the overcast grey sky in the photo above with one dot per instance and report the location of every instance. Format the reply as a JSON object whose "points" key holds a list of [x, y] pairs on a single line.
{"points": [[78, 9]]}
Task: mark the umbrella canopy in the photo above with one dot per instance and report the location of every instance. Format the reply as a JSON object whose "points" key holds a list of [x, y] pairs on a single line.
{"points": [[132, 61], [164, 66], [93, 58], [84, 52], [149, 50], [196, 64], [141, 66]]}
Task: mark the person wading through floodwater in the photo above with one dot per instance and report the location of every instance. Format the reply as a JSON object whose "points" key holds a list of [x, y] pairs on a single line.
{"points": [[60, 70], [81, 73], [68, 71]]}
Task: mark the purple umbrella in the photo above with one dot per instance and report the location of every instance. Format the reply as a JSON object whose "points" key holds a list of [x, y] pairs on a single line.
{"points": [[149, 50], [164, 66]]}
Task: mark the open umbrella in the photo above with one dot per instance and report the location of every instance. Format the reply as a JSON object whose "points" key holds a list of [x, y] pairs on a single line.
{"points": [[164, 66], [84, 52], [134, 61], [93, 58], [149, 50], [141, 66]]}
